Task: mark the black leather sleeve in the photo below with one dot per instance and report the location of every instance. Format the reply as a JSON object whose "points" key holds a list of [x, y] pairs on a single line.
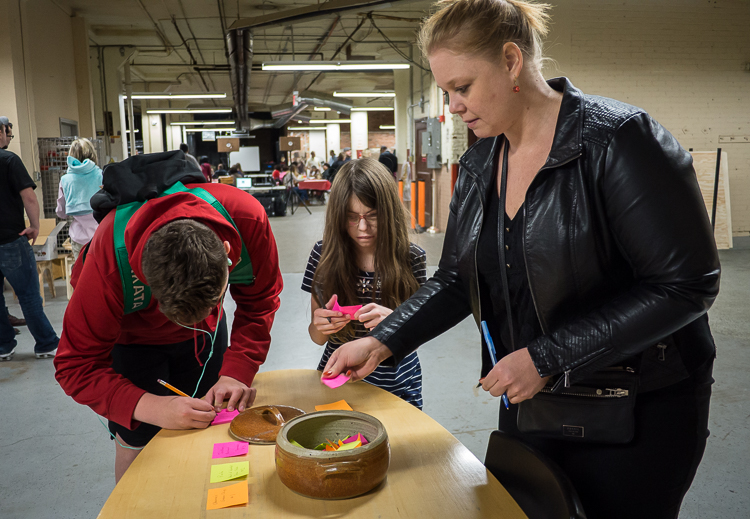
{"points": [[658, 220], [437, 306]]}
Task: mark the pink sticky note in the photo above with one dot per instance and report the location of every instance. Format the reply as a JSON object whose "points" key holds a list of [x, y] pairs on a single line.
{"points": [[355, 438], [224, 416], [346, 310], [335, 382], [229, 449]]}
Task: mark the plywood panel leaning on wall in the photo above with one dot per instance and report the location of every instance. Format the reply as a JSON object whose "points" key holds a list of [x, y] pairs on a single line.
{"points": [[705, 168]]}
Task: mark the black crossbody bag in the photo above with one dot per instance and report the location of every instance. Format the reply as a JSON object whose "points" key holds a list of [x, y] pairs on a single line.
{"points": [[598, 409]]}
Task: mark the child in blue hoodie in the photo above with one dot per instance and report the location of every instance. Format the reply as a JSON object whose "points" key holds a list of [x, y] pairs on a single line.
{"points": [[77, 186]]}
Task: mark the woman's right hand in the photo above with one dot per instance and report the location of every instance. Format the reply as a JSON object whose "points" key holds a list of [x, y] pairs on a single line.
{"points": [[356, 358], [328, 322]]}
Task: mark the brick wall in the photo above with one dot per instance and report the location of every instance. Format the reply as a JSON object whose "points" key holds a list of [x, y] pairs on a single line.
{"points": [[684, 61]]}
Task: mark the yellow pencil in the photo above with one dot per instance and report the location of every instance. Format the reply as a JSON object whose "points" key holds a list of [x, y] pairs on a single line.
{"points": [[171, 387]]}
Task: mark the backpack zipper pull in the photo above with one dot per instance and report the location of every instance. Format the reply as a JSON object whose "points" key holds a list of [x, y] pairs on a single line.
{"points": [[566, 383], [662, 351]]}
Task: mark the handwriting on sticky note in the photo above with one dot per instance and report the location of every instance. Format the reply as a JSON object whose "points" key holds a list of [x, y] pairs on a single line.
{"points": [[335, 382], [231, 495], [341, 405], [229, 449], [348, 311], [224, 416], [229, 471]]}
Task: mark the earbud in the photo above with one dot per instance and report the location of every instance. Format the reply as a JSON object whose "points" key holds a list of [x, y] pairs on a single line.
{"points": [[229, 262]]}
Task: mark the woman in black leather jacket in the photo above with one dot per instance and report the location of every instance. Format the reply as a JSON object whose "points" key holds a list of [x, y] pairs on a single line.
{"points": [[607, 249]]}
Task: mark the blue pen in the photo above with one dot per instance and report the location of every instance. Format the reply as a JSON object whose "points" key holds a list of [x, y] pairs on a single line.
{"points": [[493, 356]]}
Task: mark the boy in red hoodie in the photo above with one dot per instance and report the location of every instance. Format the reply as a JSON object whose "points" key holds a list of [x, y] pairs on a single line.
{"points": [[183, 250]]}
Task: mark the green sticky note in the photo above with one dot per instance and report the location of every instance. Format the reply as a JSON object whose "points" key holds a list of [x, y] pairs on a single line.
{"points": [[295, 444], [228, 471], [350, 446]]}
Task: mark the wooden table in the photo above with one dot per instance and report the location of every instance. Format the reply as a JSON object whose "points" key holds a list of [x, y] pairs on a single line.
{"points": [[432, 475]]}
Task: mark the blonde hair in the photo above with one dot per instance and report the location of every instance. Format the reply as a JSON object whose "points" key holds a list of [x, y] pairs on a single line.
{"points": [[83, 149], [484, 26]]}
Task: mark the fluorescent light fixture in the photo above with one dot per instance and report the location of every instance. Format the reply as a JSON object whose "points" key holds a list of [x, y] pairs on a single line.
{"points": [[190, 111], [177, 95], [365, 94], [210, 129], [333, 66], [387, 126], [304, 128], [196, 123], [372, 109], [330, 121], [322, 109]]}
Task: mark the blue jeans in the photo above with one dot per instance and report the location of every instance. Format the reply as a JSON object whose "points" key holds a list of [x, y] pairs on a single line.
{"points": [[18, 265]]}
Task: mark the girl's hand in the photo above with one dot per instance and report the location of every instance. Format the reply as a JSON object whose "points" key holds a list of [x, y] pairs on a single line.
{"points": [[357, 358], [371, 314], [515, 374], [328, 322]]}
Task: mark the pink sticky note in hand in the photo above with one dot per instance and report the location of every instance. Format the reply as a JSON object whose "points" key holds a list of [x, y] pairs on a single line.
{"points": [[335, 382], [346, 310], [224, 416], [229, 449]]}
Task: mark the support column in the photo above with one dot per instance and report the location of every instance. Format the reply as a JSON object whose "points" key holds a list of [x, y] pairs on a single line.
{"points": [[86, 124], [359, 132], [401, 86], [333, 139]]}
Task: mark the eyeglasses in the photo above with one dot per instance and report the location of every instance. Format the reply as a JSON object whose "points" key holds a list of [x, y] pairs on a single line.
{"points": [[370, 218]]}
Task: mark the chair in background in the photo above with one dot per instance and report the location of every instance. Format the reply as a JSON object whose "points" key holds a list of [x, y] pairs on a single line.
{"points": [[536, 483]]}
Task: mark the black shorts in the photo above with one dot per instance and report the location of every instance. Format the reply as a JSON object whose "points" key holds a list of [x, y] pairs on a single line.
{"points": [[144, 364]]}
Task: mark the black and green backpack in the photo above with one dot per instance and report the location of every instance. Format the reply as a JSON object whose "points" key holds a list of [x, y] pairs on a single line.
{"points": [[128, 185]]}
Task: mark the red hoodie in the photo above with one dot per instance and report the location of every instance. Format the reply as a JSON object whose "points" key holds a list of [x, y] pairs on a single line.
{"points": [[94, 320]]}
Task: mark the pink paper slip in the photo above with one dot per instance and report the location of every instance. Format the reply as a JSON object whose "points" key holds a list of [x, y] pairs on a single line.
{"points": [[335, 382], [346, 310], [229, 449], [224, 416]]}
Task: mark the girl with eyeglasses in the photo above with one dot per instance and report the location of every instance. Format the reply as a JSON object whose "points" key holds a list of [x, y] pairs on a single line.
{"points": [[365, 258]]}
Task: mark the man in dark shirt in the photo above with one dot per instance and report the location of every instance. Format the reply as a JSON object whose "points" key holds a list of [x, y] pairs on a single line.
{"points": [[17, 261], [389, 160]]}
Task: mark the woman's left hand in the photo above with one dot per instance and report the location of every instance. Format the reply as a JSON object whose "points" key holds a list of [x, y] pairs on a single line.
{"points": [[371, 314], [516, 375]]}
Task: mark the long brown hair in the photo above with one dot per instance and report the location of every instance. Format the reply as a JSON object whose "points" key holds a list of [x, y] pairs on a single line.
{"points": [[372, 183]]}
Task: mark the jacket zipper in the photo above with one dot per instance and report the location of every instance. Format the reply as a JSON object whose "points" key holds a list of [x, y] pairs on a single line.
{"points": [[566, 377], [595, 393], [476, 246]]}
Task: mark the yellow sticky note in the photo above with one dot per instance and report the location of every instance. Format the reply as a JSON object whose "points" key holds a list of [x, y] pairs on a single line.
{"points": [[227, 471], [227, 496], [341, 405], [349, 446]]}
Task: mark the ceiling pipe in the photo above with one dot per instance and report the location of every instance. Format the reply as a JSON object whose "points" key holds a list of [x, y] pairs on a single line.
{"points": [[304, 100], [240, 57]]}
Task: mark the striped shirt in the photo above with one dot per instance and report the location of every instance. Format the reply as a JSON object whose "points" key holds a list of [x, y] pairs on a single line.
{"points": [[404, 380]]}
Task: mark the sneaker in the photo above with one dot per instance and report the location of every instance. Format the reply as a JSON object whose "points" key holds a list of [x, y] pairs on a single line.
{"points": [[45, 354], [7, 356], [15, 321]]}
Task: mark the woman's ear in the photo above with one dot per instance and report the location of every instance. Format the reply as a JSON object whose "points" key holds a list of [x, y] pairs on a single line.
{"points": [[513, 59]]}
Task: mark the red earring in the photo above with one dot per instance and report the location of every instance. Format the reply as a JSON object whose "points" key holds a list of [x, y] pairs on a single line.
{"points": [[516, 88]]}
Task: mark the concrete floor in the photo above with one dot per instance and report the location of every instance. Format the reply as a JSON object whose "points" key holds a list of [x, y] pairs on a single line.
{"points": [[56, 459]]}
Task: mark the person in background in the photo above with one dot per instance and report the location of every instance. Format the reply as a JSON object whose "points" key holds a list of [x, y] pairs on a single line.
{"points": [[332, 158], [335, 168], [365, 258], [592, 213], [236, 172], [220, 171], [206, 169], [312, 162], [291, 179], [389, 160], [279, 172], [188, 156], [324, 173], [17, 259], [82, 180], [347, 154]]}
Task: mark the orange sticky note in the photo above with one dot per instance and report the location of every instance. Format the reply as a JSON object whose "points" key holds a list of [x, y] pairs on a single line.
{"points": [[341, 405], [227, 496]]}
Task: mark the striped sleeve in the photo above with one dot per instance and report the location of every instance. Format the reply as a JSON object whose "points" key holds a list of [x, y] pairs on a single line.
{"points": [[418, 263], [312, 264]]}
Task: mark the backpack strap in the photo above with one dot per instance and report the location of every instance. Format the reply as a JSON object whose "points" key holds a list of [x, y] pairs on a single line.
{"points": [[136, 294]]}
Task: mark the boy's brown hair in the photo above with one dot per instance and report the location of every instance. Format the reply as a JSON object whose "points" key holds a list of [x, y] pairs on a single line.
{"points": [[185, 265]]}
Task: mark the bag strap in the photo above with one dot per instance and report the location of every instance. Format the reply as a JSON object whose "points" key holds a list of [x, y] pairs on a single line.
{"points": [[501, 241]]}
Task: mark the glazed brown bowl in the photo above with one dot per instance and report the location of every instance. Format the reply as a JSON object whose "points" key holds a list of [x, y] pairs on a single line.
{"points": [[331, 474]]}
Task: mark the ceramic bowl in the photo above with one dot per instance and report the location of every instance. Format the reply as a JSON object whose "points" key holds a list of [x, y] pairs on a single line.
{"points": [[331, 474], [260, 425]]}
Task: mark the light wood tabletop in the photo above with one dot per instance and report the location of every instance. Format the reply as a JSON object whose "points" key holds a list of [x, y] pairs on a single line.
{"points": [[432, 475]]}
